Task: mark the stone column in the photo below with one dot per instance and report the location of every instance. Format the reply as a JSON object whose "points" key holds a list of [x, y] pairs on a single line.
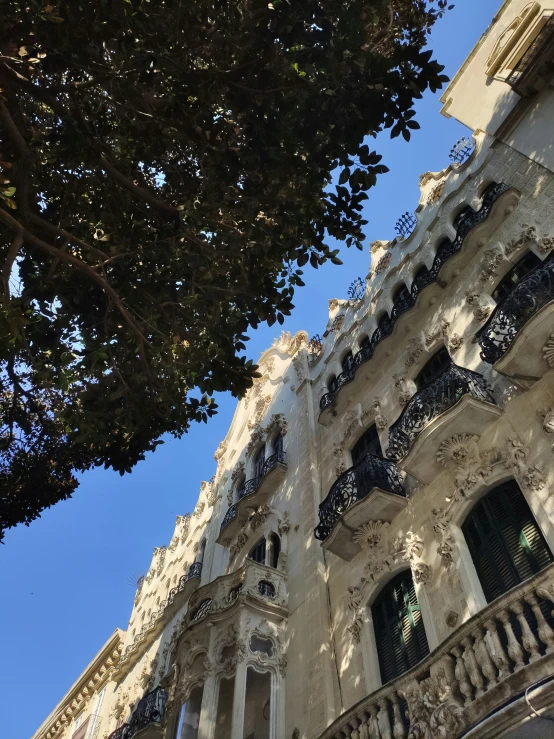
{"points": [[239, 697], [208, 711]]}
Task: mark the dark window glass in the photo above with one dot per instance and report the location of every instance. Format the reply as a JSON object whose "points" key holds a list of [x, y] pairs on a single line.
{"points": [[439, 363], [461, 215], [399, 631], [347, 362], [276, 550], [420, 272], [332, 384], [257, 553], [384, 319], [525, 265], [401, 295], [259, 462], [365, 343], [368, 443], [505, 543], [278, 444]]}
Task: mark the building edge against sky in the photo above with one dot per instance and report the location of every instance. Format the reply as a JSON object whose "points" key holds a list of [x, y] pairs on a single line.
{"points": [[374, 557]]}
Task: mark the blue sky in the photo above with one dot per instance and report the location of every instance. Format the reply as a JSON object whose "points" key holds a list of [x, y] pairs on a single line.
{"points": [[65, 580]]}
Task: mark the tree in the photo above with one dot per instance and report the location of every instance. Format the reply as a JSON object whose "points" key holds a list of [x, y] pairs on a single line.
{"points": [[166, 174]]}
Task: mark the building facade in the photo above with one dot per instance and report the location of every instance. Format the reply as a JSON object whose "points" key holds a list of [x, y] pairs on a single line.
{"points": [[374, 557]]}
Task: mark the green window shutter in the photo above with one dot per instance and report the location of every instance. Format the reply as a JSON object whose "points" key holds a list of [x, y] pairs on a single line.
{"points": [[399, 631], [505, 543]]}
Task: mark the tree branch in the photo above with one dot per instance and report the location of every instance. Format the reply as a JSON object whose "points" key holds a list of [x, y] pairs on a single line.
{"points": [[13, 251], [81, 266]]}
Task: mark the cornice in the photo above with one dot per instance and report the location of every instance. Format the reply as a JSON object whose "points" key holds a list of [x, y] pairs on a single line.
{"points": [[91, 680]]}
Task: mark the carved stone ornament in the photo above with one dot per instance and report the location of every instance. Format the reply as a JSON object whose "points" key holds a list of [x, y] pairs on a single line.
{"points": [[380, 421], [547, 416], [333, 305], [289, 344], [416, 348], [516, 460], [284, 524], [220, 451], [451, 619], [199, 508], [434, 711], [238, 472], [368, 536], [421, 572], [259, 517], [404, 395], [548, 351], [338, 454], [255, 439], [493, 258], [259, 411]]}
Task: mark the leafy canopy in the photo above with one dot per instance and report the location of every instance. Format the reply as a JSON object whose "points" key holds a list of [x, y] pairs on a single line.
{"points": [[166, 174]]}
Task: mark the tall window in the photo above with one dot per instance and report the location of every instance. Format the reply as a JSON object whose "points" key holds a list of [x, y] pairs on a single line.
{"points": [[365, 343], [332, 384], [259, 462], [505, 543], [467, 211], [278, 444], [275, 549], [368, 443], [399, 631], [257, 553], [439, 363], [402, 299], [520, 270], [347, 362]]}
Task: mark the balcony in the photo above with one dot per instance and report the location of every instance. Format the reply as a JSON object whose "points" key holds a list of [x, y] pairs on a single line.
{"points": [[176, 598], [146, 719], [534, 63], [483, 668], [254, 584], [255, 492], [518, 328], [370, 490], [459, 401], [446, 251]]}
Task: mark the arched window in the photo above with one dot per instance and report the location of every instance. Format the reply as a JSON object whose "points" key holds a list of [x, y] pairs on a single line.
{"points": [[259, 461], [257, 553], [505, 543], [332, 383], [237, 493], [399, 631], [521, 269], [439, 363], [365, 344], [421, 272], [274, 549], [467, 211], [347, 362], [368, 443], [402, 299]]}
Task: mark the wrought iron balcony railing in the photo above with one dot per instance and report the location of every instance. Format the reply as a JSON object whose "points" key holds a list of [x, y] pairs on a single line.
{"points": [[432, 401], [531, 294], [445, 251], [483, 666], [150, 709], [250, 486], [353, 485]]}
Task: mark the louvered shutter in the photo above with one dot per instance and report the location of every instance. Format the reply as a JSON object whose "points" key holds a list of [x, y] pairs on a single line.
{"points": [[505, 543], [399, 631]]}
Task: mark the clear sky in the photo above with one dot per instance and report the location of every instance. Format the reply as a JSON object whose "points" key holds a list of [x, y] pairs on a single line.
{"points": [[65, 581]]}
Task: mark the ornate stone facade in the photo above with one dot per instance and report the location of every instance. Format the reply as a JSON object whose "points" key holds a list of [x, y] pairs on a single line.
{"points": [[264, 607]]}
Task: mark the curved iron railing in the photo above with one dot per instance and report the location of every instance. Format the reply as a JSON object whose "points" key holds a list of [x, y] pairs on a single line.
{"points": [[353, 485], [195, 570], [250, 486], [150, 709], [445, 251], [430, 402], [531, 294]]}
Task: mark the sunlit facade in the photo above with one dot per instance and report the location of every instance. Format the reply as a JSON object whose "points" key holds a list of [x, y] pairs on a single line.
{"points": [[374, 557]]}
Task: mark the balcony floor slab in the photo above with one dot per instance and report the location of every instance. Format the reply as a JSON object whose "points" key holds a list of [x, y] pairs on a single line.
{"points": [[524, 360]]}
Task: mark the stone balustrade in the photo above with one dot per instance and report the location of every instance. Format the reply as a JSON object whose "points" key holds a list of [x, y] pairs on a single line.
{"points": [[489, 661]]}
